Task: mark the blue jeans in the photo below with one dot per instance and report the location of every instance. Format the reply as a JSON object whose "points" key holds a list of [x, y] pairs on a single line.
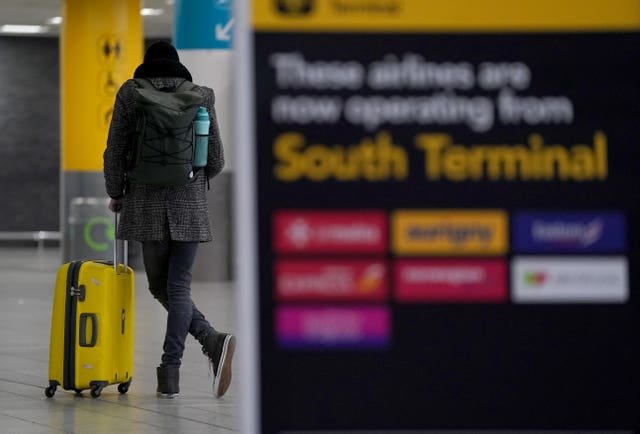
{"points": [[168, 265]]}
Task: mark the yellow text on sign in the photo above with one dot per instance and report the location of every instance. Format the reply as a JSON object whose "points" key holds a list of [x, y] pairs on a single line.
{"points": [[449, 232]]}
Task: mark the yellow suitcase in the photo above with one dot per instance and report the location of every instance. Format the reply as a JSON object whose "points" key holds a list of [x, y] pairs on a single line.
{"points": [[92, 327]]}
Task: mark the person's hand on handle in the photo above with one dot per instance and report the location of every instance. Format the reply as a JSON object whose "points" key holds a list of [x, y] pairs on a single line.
{"points": [[115, 205]]}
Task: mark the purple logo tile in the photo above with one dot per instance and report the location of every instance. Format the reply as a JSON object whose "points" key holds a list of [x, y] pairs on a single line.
{"points": [[553, 232], [333, 327]]}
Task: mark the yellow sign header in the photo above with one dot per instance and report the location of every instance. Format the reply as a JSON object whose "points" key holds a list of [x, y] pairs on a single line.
{"points": [[445, 15]]}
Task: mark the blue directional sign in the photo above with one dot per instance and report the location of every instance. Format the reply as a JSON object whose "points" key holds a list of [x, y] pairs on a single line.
{"points": [[203, 24]]}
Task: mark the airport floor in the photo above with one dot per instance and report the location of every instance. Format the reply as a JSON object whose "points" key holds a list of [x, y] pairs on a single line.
{"points": [[26, 289]]}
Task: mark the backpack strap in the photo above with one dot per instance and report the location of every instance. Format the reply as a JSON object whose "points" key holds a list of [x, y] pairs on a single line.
{"points": [[185, 85], [144, 83], [147, 84]]}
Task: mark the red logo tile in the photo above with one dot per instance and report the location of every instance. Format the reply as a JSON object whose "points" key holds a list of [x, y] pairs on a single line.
{"points": [[330, 232], [460, 281], [331, 280]]}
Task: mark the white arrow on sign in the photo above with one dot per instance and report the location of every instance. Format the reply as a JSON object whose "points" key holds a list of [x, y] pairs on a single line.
{"points": [[223, 33]]}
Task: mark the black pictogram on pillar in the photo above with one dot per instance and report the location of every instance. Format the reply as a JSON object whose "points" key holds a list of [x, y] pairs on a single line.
{"points": [[110, 49]]}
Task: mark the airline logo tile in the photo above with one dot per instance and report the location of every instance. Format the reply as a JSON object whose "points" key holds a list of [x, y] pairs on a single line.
{"points": [[569, 232], [562, 279], [449, 232], [333, 327], [426, 280], [331, 280], [330, 232]]}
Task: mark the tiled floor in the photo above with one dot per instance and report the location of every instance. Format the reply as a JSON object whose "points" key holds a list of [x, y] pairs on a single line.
{"points": [[26, 284]]}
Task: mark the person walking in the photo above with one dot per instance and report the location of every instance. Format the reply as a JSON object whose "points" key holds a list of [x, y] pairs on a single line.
{"points": [[169, 221]]}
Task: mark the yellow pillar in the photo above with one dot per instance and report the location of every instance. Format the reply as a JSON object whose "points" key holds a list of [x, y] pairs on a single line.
{"points": [[101, 44]]}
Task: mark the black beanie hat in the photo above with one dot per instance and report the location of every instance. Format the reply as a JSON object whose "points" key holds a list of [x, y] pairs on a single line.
{"points": [[161, 60], [161, 50]]}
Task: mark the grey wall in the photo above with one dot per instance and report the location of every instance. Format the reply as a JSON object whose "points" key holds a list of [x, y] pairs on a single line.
{"points": [[29, 134]]}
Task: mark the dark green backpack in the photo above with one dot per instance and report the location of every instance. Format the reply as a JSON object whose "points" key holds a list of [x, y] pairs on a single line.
{"points": [[164, 139]]}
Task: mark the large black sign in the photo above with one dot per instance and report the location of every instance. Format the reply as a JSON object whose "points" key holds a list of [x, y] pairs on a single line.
{"points": [[452, 221]]}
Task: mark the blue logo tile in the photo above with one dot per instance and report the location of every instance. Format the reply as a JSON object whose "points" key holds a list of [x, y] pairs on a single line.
{"points": [[557, 232]]}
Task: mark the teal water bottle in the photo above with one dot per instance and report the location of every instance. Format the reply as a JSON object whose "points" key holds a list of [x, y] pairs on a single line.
{"points": [[201, 125]]}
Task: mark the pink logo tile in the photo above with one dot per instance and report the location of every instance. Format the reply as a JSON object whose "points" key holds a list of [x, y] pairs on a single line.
{"points": [[333, 327]]}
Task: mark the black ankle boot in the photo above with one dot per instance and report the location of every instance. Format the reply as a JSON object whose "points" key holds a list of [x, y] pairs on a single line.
{"points": [[168, 381], [219, 348]]}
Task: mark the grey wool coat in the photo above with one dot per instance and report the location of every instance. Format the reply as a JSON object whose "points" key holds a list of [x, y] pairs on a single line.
{"points": [[151, 213]]}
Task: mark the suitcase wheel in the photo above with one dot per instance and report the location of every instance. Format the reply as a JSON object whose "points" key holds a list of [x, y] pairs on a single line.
{"points": [[78, 391], [124, 387], [95, 391], [50, 391]]}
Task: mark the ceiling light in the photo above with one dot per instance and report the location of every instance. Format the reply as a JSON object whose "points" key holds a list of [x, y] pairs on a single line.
{"points": [[55, 21], [15, 28], [150, 12]]}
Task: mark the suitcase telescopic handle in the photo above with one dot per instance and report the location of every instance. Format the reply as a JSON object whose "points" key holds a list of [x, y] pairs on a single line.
{"points": [[125, 245]]}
